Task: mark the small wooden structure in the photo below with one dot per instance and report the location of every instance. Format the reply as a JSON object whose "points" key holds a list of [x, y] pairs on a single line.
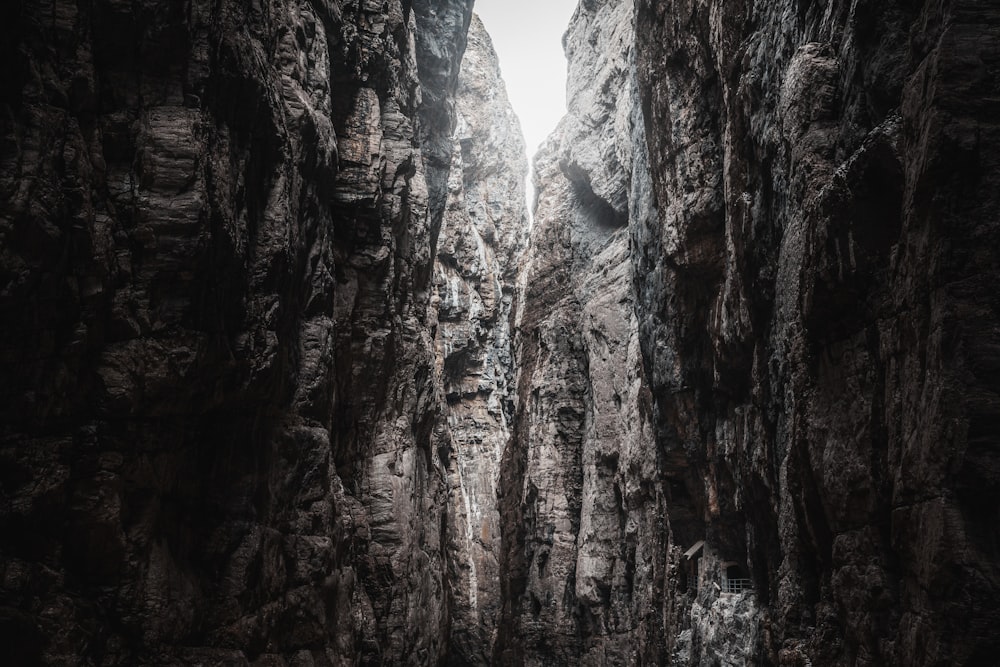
{"points": [[692, 557]]}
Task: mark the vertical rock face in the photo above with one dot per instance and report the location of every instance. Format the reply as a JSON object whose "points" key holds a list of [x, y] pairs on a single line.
{"points": [[219, 395], [259, 263], [816, 313], [583, 512], [765, 359], [479, 251]]}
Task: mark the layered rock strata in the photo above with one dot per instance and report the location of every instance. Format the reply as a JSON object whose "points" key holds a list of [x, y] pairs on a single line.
{"points": [[475, 280], [219, 390]]}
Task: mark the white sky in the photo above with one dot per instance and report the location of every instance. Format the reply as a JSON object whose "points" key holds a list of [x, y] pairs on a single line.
{"points": [[527, 36]]}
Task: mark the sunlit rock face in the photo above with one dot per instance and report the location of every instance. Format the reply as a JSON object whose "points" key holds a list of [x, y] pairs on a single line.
{"points": [[582, 508], [480, 247], [219, 382]]}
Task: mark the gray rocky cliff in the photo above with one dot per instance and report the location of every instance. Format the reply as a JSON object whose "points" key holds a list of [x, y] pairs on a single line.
{"points": [[283, 380], [799, 465], [582, 507], [219, 392], [476, 274]]}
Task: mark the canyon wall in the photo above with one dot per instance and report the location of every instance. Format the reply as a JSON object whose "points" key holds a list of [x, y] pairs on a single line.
{"points": [[817, 313], [805, 265], [480, 249], [221, 436], [286, 382], [584, 521]]}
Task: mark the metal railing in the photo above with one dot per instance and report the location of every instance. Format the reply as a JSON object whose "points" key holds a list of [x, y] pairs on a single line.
{"points": [[736, 585]]}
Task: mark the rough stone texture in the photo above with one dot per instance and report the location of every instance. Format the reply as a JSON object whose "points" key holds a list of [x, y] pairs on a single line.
{"points": [[808, 273], [716, 627], [479, 251], [218, 396], [247, 418], [582, 510], [819, 318]]}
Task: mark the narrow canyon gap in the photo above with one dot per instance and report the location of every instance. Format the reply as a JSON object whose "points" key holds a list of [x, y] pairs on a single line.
{"points": [[287, 380]]}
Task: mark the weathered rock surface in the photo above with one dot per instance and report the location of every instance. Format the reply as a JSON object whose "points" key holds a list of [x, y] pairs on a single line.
{"points": [[475, 277], [218, 401], [817, 314], [583, 512], [806, 267], [258, 269]]}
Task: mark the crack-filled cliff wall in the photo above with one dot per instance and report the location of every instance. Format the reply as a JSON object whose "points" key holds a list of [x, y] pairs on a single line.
{"points": [[476, 275], [817, 312], [582, 506], [281, 384], [787, 207], [219, 432]]}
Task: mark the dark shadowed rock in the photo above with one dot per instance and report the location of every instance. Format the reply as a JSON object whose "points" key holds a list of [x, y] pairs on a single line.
{"points": [[814, 316], [284, 382], [218, 373], [807, 258]]}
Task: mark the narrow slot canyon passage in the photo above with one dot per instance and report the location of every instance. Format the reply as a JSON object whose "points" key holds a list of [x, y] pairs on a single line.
{"points": [[587, 332]]}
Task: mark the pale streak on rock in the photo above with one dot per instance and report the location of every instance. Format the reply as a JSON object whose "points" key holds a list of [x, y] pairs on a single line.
{"points": [[483, 236]]}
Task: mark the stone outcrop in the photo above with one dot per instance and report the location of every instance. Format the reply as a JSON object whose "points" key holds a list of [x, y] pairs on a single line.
{"points": [[475, 279], [283, 385], [219, 392]]}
